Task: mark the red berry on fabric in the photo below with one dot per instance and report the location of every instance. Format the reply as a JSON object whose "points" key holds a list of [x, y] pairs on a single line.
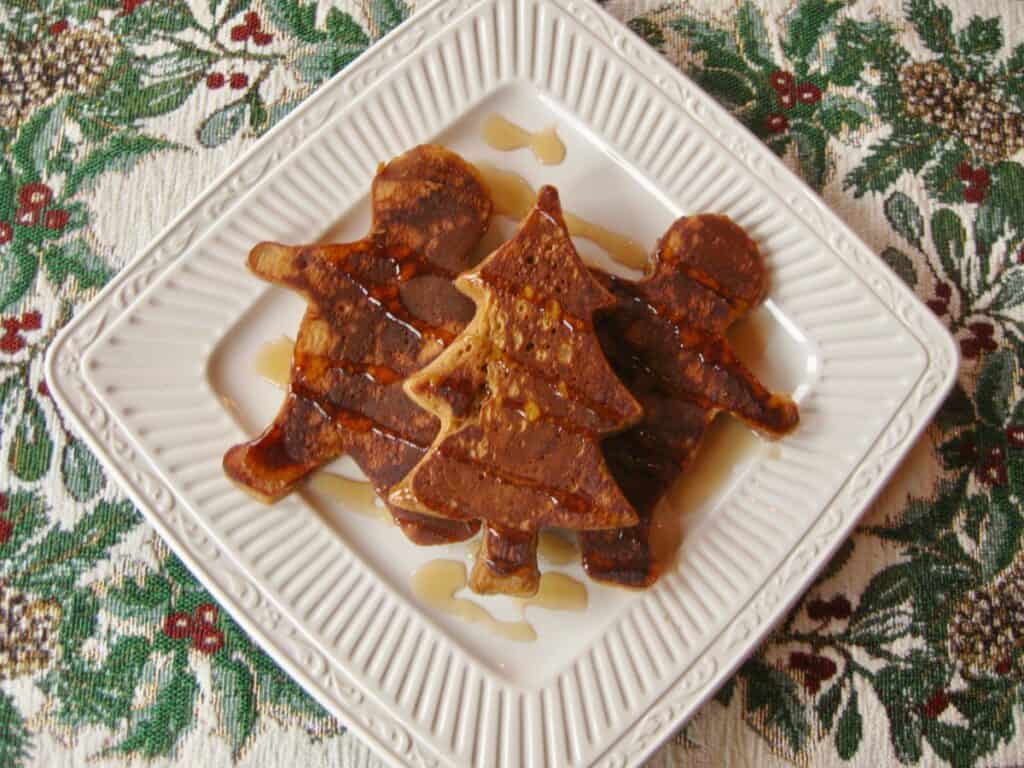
{"points": [[823, 667], [964, 171], [938, 306], [6, 232], [993, 473], [11, 325], [57, 27], [936, 704], [980, 177], [206, 613], [6, 529], [982, 329], [129, 6], [238, 80], [3, 503], [207, 638], [215, 80], [1004, 667], [817, 610], [11, 343], [56, 219], [808, 93], [262, 38], [178, 625], [31, 321], [974, 194], [252, 20], [787, 99], [988, 344], [799, 660], [943, 291], [812, 684], [969, 348], [35, 196], [240, 32], [776, 123], [1020, 256], [841, 608], [42, 389], [1015, 435], [26, 217], [780, 81]]}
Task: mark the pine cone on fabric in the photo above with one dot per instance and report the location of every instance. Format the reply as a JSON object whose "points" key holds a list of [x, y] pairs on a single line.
{"points": [[28, 633], [967, 108], [986, 632], [33, 73]]}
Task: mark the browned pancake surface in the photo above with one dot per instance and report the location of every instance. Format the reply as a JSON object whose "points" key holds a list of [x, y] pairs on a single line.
{"points": [[380, 309]]}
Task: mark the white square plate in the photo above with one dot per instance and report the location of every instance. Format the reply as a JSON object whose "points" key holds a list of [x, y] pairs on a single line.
{"points": [[156, 374]]}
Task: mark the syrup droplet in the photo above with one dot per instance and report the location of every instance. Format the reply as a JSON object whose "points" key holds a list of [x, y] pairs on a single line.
{"points": [[274, 360], [558, 592], [556, 549], [355, 496], [503, 135]]}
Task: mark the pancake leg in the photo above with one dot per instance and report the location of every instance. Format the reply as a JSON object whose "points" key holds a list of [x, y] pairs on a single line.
{"points": [[506, 563]]}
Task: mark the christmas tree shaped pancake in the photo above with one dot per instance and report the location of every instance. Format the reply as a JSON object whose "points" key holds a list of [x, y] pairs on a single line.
{"points": [[524, 396], [379, 309]]}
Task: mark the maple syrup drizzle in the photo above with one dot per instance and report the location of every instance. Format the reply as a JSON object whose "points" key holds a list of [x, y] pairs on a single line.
{"points": [[514, 197], [274, 360], [437, 581], [356, 496], [505, 136], [556, 549]]}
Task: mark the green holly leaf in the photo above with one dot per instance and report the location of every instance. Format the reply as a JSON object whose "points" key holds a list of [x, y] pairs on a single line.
{"points": [[388, 14], [850, 728], [1011, 290], [886, 161], [839, 559], [941, 179], [326, 60], [223, 124], [957, 411], [828, 704], [903, 688], [8, 190], [26, 513], [980, 40], [149, 601], [53, 564], [775, 698], [752, 35], [148, 19], [995, 387], [155, 730], [1004, 196], [810, 153], [103, 694], [883, 601], [649, 31], [296, 18], [18, 268], [905, 217], [949, 237], [32, 447], [234, 683], [79, 609], [75, 258], [901, 264], [1001, 541], [838, 113], [83, 476], [731, 89], [119, 153], [342, 28], [859, 43], [177, 63], [37, 139], [804, 27], [15, 739], [934, 24]]}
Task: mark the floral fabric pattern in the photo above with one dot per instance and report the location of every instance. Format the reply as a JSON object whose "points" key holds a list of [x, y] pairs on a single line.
{"points": [[907, 116]]}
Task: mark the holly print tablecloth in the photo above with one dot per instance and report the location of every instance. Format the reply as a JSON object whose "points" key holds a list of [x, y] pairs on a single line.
{"points": [[906, 115]]}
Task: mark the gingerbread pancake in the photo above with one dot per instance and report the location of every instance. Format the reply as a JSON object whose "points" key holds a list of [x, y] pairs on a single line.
{"points": [[379, 309]]}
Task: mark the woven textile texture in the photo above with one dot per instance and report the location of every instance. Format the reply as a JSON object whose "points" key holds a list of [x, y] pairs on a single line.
{"points": [[907, 116]]}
